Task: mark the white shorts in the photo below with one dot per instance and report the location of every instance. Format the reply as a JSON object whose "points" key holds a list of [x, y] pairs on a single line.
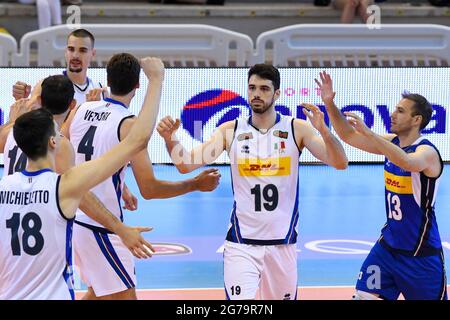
{"points": [[105, 264], [271, 269]]}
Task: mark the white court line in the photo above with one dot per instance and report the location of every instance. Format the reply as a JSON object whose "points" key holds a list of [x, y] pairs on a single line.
{"points": [[211, 289]]}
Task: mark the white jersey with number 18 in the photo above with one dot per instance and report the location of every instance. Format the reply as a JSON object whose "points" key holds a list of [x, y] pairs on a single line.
{"points": [[35, 239]]}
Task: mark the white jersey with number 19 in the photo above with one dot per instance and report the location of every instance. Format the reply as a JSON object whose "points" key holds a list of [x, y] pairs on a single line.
{"points": [[264, 168]]}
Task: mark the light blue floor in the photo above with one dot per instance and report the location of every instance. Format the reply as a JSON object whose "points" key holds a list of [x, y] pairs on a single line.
{"points": [[334, 205]]}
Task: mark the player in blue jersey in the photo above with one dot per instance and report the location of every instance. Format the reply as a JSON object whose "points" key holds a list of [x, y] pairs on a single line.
{"points": [[408, 257]]}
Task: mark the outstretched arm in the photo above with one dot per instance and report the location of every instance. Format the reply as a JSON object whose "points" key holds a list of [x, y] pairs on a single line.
{"points": [[344, 130], [151, 187], [130, 236], [206, 153], [425, 158]]}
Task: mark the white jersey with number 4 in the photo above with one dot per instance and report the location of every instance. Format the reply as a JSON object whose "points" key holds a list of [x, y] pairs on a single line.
{"points": [[264, 168], [35, 239], [94, 130]]}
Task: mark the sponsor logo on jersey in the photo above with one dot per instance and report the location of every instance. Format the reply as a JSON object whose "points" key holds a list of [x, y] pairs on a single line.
{"points": [[245, 136], [281, 134], [255, 167], [245, 149], [398, 184]]}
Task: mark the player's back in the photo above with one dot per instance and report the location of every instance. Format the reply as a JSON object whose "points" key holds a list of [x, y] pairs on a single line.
{"points": [[35, 239], [14, 160], [94, 130]]}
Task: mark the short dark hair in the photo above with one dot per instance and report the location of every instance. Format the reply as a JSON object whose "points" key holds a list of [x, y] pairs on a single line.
{"points": [[32, 131], [57, 94], [421, 107], [122, 72], [82, 33], [266, 71]]}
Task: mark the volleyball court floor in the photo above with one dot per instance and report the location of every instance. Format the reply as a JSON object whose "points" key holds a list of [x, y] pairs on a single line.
{"points": [[341, 214]]}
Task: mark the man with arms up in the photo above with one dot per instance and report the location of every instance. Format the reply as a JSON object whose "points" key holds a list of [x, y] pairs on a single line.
{"points": [[264, 149], [37, 206], [57, 97], [408, 255]]}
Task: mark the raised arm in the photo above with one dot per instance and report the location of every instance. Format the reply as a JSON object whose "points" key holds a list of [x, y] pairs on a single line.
{"points": [[325, 147], [206, 153], [152, 188], [4, 131], [21, 90], [65, 128], [80, 179], [344, 130], [18, 108]]}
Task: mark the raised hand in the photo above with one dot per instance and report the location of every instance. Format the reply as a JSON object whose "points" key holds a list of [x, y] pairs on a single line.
{"points": [[96, 94], [21, 90], [153, 67], [20, 107], [358, 124], [167, 127], [326, 87], [316, 116], [208, 180]]}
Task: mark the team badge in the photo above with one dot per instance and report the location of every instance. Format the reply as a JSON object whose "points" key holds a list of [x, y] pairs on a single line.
{"points": [[280, 146], [281, 134], [245, 136]]}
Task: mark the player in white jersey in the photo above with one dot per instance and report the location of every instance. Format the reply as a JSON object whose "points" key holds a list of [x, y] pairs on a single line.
{"points": [[38, 206], [79, 53], [260, 250], [98, 126], [57, 97], [35, 245]]}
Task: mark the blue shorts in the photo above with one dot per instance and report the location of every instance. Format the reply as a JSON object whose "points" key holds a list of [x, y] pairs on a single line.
{"points": [[388, 274]]}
